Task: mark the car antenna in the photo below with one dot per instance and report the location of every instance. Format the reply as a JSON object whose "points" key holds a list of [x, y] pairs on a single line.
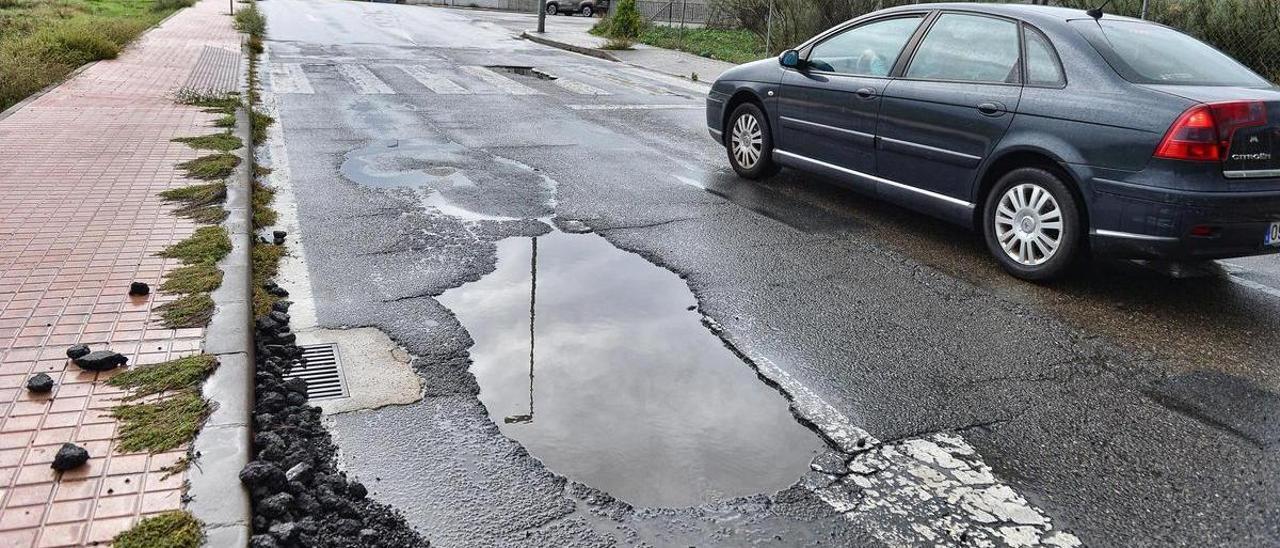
{"points": [[1096, 13]]}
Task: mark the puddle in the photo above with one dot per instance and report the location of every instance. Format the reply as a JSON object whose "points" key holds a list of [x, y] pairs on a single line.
{"points": [[594, 360]]}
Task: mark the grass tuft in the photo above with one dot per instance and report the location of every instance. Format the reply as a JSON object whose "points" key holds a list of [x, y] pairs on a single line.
{"points": [[193, 278], [211, 167], [251, 21], [259, 122], [170, 376], [161, 425], [188, 311], [265, 262], [172, 5], [208, 245], [263, 215], [176, 529], [201, 202], [224, 142]]}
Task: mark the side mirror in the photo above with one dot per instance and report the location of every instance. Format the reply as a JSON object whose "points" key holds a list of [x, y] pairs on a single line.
{"points": [[789, 59]]}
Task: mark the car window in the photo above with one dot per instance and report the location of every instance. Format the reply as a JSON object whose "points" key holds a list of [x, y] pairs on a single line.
{"points": [[1043, 67], [865, 50], [968, 48], [1145, 53]]}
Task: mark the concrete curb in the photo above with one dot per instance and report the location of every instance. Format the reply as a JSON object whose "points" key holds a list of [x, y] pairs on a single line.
{"points": [[593, 52], [225, 442]]}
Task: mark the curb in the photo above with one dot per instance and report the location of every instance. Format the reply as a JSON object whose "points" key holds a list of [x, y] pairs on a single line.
{"points": [[225, 442], [593, 52]]}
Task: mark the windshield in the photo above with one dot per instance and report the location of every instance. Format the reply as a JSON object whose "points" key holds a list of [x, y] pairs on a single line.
{"points": [[1146, 53]]}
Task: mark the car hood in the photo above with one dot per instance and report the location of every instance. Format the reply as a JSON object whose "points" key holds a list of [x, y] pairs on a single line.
{"points": [[765, 70]]}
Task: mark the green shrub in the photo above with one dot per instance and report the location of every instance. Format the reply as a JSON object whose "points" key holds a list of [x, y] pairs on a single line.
{"points": [[251, 21], [172, 5], [623, 23]]}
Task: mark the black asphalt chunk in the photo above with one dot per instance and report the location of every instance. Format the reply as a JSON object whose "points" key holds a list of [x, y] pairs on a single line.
{"points": [[101, 360], [40, 383], [69, 456]]}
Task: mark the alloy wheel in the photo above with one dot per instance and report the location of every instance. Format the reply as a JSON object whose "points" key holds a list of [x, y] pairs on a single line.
{"points": [[748, 141], [1028, 224]]}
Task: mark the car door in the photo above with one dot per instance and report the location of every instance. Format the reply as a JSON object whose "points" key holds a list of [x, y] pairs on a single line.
{"points": [[948, 110], [828, 105]]}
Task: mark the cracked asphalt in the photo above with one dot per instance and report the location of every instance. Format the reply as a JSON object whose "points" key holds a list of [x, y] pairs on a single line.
{"points": [[1126, 406]]}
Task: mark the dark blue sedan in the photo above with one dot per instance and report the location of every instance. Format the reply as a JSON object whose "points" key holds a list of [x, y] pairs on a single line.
{"points": [[1055, 132]]}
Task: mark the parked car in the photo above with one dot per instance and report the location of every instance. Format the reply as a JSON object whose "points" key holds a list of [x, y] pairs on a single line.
{"points": [[587, 8], [1053, 132]]}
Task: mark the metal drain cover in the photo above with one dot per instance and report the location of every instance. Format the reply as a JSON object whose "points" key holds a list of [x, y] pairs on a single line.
{"points": [[322, 369]]}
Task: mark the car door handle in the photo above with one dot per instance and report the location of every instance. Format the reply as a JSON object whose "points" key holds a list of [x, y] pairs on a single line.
{"points": [[991, 108], [865, 93]]}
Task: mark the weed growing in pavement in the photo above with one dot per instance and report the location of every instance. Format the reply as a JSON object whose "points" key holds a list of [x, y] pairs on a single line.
{"points": [[617, 44], [172, 5], [266, 262], [187, 311], [263, 215], [260, 121], [207, 245], [251, 21], [211, 167], [176, 529], [225, 121], [201, 203], [171, 376], [161, 425], [194, 278], [223, 142]]}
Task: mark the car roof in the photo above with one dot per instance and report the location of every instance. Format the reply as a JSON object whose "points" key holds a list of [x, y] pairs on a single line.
{"points": [[1026, 12]]}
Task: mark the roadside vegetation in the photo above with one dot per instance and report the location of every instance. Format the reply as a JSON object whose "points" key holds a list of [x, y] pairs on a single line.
{"points": [[173, 410], [622, 27], [177, 529], [198, 276], [732, 45], [41, 41]]}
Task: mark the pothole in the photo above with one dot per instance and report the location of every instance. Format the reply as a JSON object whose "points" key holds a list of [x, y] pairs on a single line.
{"points": [[522, 71], [597, 362]]}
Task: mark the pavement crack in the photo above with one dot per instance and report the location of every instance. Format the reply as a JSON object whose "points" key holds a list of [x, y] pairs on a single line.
{"points": [[646, 225]]}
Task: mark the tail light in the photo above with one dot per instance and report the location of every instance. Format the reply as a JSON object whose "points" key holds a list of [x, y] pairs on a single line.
{"points": [[1203, 133]]}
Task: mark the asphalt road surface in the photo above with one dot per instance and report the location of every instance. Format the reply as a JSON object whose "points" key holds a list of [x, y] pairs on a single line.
{"points": [[941, 401]]}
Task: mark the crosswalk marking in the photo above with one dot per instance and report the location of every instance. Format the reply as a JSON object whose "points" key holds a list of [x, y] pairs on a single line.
{"points": [[289, 78], [502, 83], [631, 83], [579, 87], [434, 82], [688, 85], [361, 78]]}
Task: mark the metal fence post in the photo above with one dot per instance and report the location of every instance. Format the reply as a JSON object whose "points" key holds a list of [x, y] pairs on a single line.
{"points": [[542, 17], [1144, 9], [768, 30]]}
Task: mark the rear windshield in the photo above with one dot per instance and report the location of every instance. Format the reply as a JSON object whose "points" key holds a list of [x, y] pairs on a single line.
{"points": [[1146, 53]]}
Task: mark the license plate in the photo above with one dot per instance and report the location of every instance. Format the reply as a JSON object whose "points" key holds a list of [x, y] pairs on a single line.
{"points": [[1273, 235]]}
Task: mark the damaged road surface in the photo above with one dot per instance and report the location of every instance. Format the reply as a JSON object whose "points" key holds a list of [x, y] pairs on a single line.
{"points": [[689, 359]]}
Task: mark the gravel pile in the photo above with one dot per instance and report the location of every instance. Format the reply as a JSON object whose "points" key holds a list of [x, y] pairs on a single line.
{"points": [[299, 496]]}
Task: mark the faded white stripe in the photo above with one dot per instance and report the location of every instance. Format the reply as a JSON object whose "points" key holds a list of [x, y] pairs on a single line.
{"points": [[579, 87], [365, 82], [502, 83], [289, 78], [636, 107], [432, 81]]}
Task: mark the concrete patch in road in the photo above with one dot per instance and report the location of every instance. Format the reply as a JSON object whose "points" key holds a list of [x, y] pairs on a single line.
{"points": [[376, 370]]}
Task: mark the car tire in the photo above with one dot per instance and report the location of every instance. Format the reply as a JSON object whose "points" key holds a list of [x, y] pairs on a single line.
{"points": [[587, 11], [553, 9], [1032, 224], [749, 142]]}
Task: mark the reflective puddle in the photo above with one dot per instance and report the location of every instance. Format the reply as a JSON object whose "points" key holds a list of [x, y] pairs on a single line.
{"points": [[594, 360]]}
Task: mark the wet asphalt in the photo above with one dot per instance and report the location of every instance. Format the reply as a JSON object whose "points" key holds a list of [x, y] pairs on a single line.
{"points": [[1132, 406]]}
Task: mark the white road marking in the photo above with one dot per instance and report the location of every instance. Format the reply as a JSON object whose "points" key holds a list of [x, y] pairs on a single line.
{"points": [[434, 82], [502, 83], [579, 87], [365, 82], [635, 107], [666, 80], [1232, 274], [289, 78], [630, 83], [931, 490]]}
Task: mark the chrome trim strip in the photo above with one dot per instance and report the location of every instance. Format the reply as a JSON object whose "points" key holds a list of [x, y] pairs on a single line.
{"points": [[1250, 173], [1132, 236], [715, 132], [944, 151], [881, 180], [854, 133]]}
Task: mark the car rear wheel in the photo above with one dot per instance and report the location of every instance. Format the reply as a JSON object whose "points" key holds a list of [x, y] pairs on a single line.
{"points": [[587, 11], [749, 142], [553, 9], [1032, 224]]}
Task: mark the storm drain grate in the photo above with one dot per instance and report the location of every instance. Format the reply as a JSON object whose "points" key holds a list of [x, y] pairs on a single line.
{"points": [[322, 369]]}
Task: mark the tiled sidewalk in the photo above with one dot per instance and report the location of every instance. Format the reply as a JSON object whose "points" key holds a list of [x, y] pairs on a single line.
{"points": [[79, 220]]}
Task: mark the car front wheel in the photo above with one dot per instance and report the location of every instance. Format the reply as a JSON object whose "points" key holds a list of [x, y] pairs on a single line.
{"points": [[749, 142], [587, 11], [553, 9], [1032, 224]]}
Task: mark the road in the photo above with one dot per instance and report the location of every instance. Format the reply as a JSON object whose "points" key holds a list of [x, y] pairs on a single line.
{"points": [[1123, 407]]}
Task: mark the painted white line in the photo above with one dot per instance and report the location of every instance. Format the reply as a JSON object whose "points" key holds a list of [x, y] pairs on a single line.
{"points": [[933, 490], [636, 107], [432, 81], [698, 88], [579, 87], [641, 86], [502, 83], [365, 82], [289, 78]]}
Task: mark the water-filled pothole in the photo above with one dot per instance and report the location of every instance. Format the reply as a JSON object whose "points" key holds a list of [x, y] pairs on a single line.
{"points": [[595, 360], [522, 71]]}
